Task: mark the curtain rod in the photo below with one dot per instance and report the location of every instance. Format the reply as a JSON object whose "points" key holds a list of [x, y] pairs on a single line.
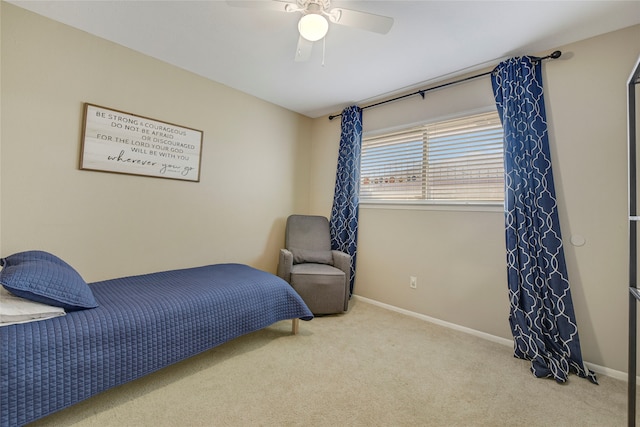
{"points": [[556, 54]]}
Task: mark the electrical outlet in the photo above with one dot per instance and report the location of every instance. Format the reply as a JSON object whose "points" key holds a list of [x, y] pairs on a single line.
{"points": [[413, 282]]}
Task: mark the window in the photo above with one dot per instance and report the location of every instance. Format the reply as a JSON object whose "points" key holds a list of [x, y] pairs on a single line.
{"points": [[453, 161]]}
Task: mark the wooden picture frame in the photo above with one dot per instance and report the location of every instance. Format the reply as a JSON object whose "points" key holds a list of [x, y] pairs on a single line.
{"points": [[120, 142]]}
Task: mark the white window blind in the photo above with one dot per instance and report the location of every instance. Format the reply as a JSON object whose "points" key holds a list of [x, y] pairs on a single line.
{"points": [[457, 160]]}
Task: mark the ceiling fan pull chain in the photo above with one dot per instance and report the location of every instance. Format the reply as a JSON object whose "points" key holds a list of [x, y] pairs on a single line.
{"points": [[324, 45]]}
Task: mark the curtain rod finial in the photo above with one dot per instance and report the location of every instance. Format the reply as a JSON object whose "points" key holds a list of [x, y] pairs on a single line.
{"points": [[556, 54]]}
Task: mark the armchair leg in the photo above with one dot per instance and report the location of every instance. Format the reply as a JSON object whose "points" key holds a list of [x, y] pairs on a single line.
{"points": [[295, 325]]}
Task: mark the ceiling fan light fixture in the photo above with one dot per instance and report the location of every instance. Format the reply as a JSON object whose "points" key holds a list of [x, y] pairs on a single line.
{"points": [[313, 27]]}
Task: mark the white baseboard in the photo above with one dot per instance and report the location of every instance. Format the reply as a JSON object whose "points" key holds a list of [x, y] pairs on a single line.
{"points": [[619, 375]]}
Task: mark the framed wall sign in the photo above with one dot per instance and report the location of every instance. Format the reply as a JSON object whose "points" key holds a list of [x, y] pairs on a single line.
{"points": [[119, 142]]}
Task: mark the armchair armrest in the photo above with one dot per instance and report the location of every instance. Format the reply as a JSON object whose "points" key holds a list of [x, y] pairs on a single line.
{"points": [[342, 261], [285, 262]]}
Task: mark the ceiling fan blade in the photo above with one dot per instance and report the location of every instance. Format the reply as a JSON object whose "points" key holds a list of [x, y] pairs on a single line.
{"points": [[276, 5], [363, 20], [303, 50]]}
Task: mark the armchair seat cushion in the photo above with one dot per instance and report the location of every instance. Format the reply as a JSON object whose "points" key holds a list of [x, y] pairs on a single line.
{"points": [[301, 270]]}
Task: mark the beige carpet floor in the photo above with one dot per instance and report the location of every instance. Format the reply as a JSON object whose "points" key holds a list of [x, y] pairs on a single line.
{"points": [[369, 367]]}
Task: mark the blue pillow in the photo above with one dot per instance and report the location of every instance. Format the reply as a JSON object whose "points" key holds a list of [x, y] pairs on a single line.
{"points": [[42, 277], [20, 257]]}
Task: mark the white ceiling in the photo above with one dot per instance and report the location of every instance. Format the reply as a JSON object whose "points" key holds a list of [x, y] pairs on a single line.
{"points": [[253, 50]]}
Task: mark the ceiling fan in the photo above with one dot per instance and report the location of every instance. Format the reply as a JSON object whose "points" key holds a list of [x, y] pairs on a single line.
{"points": [[316, 15]]}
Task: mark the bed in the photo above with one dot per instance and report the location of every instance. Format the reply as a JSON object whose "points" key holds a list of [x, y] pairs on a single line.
{"points": [[137, 325]]}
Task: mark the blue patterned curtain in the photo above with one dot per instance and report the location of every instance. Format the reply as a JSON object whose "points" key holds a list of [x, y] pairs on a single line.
{"points": [[344, 214], [541, 314]]}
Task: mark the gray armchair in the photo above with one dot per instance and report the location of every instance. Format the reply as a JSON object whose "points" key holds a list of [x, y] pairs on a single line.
{"points": [[319, 275]]}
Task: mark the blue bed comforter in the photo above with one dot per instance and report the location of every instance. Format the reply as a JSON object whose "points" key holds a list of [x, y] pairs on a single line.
{"points": [[143, 323]]}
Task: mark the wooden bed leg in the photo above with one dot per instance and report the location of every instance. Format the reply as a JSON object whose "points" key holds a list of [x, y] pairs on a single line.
{"points": [[295, 324]]}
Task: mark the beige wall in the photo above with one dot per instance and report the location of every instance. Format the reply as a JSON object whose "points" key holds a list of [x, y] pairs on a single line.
{"points": [[458, 255], [254, 159]]}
